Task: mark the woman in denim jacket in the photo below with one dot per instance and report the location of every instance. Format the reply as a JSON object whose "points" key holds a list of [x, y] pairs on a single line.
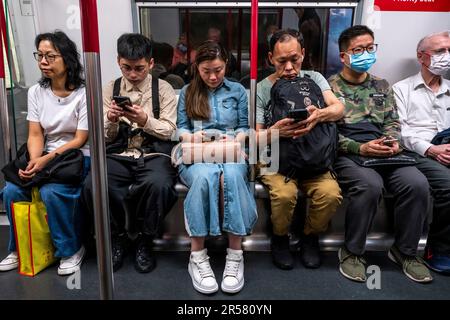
{"points": [[219, 197]]}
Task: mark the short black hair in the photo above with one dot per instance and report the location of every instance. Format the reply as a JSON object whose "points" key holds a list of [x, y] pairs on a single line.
{"points": [[350, 33], [284, 35], [163, 54], [69, 53], [134, 46]]}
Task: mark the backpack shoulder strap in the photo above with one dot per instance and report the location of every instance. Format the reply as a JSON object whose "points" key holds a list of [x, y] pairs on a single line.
{"points": [[116, 88], [317, 90], [155, 97]]}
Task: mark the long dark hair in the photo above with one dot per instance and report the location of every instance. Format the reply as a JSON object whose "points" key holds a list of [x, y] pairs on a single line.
{"points": [[69, 53], [197, 106]]}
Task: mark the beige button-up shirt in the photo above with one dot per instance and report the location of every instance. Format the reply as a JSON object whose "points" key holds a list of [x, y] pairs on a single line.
{"points": [[141, 94]]}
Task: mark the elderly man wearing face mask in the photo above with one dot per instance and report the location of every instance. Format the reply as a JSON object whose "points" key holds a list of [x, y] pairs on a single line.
{"points": [[424, 109]]}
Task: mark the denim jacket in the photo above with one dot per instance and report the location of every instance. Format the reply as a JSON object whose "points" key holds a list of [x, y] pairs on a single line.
{"points": [[229, 111]]}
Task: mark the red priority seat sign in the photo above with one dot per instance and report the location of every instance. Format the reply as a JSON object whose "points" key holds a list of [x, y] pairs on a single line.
{"points": [[412, 5]]}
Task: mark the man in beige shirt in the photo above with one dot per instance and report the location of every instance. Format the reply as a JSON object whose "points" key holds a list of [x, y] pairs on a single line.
{"points": [[141, 178]]}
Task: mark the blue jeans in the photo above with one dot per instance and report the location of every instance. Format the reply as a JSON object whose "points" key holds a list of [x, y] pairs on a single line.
{"points": [[64, 216], [201, 206]]}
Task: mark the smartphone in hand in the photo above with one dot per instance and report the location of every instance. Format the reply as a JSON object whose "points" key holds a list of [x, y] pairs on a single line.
{"points": [[298, 114], [122, 101], [389, 141]]}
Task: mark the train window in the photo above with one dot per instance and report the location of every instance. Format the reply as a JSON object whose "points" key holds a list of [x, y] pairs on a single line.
{"points": [[339, 20], [184, 28]]}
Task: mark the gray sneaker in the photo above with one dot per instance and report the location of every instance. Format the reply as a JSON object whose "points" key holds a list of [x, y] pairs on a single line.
{"points": [[352, 266], [413, 267]]}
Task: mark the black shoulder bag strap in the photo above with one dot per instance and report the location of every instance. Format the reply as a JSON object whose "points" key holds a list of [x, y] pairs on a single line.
{"points": [[116, 89], [120, 143], [155, 97]]}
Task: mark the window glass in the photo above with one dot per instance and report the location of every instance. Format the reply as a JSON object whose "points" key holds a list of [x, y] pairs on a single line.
{"points": [[340, 19], [184, 29]]}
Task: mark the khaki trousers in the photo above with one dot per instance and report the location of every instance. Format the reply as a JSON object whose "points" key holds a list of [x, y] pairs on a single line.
{"points": [[323, 191]]}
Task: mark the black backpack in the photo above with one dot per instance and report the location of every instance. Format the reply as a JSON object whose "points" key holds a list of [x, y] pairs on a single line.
{"points": [[313, 153]]}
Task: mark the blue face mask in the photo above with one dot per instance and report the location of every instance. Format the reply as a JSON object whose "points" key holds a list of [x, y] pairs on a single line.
{"points": [[363, 62], [182, 47]]}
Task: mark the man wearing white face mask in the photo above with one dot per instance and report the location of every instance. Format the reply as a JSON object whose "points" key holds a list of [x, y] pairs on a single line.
{"points": [[424, 109]]}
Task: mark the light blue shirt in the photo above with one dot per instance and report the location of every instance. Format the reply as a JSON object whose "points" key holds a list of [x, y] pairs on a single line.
{"points": [[229, 111]]}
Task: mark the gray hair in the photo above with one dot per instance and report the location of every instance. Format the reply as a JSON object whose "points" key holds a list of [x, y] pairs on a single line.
{"points": [[424, 42]]}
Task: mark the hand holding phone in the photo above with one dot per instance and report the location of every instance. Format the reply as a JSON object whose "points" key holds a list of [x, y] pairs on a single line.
{"points": [[389, 141], [298, 114], [122, 101]]}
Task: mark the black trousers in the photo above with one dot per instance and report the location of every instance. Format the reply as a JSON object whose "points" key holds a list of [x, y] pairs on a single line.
{"points": [[438, 177], [364, 189], [141, 193]]}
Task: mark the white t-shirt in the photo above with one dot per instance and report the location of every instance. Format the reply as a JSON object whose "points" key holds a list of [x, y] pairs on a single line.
{"points": [[59, 117]]}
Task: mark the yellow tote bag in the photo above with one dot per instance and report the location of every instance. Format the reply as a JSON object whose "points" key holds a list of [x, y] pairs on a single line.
{"points": [[33, 241]]}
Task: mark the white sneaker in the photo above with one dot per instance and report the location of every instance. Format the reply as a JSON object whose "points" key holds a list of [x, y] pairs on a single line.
{"points": [[233, 275], [11, 262], [71, 264], [201, 273]]}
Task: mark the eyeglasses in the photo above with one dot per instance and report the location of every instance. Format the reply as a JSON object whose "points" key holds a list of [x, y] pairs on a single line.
{"points": [[127, 69], [360, 50], [49, 57], [438, 51]]}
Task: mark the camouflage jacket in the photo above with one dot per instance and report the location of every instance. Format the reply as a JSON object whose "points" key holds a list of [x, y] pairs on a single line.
{"points": [[371, 101]]}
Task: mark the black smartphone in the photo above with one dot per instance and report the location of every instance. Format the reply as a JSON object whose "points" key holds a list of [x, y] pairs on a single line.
{"points": [[298, 114], [389, 141], [123, 102]]}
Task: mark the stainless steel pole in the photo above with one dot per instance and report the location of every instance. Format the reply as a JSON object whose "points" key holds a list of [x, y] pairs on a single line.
{"points": [[89, 26]]}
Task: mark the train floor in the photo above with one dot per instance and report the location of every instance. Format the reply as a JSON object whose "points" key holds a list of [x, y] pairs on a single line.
{"points": [[263, 281]]}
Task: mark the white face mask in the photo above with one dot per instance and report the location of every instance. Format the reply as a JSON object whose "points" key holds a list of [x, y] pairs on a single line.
{"points": [[440, 64]]}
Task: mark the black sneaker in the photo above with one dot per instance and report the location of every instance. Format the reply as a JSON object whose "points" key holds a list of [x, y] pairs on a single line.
{"points": [[120, 246], [310, 251], [281, 255], [145, 261]]}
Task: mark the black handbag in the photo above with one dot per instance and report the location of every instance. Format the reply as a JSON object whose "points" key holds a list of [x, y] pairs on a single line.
{"points": [[64, 168], [399, 160]]}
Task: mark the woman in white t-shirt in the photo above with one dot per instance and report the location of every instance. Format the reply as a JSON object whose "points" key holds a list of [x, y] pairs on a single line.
{"points": [[57, 118]]}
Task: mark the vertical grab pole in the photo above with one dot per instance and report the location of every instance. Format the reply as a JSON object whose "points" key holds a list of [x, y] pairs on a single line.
{"points": [[5, 139], [89, 27], [253, 78]]}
